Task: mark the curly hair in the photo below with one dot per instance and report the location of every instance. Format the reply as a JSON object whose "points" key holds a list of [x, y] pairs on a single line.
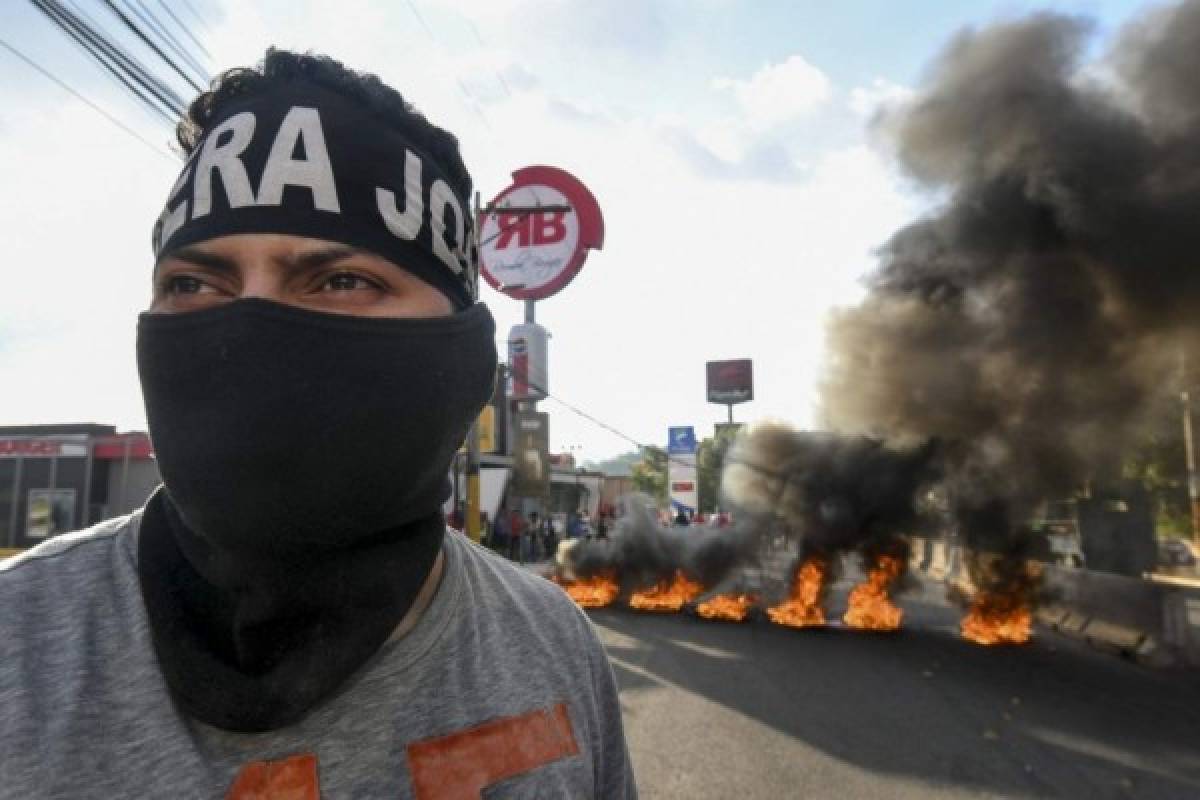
{"points": [[282, 66]]}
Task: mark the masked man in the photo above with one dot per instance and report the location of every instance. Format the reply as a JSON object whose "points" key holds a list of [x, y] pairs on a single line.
{"points": [[288, 615]]}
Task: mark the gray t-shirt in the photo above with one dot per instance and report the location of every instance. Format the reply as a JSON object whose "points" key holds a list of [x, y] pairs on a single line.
{"points": [[502, 690]]}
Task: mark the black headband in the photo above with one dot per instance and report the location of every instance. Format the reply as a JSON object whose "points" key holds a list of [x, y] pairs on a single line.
{"points": [[306, 161]]}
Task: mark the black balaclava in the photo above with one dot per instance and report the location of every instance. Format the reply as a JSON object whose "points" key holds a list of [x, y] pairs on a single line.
{"points": [[304, 454]]}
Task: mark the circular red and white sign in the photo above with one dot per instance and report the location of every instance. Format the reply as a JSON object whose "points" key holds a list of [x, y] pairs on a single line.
{"points": [[528, 253]]}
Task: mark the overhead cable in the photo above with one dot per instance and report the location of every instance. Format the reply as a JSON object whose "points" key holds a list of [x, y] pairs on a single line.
{"points": [[47, 74], [147, 17], [132, 73], [146, 39], [185, 28], [605, 425]]}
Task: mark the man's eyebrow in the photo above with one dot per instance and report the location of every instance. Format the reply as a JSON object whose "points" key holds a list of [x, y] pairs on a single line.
{"points": [[213, 261], [319, 257]]}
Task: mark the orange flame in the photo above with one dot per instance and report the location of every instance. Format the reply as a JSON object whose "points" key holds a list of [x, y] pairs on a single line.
{"points": [[667, 596], [803, 608], [729, 607], [595, 592], [997, 618], [870, 608]]}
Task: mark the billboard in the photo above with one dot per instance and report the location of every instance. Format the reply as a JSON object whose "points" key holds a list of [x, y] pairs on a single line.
{"points": [[730, 382], [528, 362], [531, 455], [681, 469], [529, 253]]}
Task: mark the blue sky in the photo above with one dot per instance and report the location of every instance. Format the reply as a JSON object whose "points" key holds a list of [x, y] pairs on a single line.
{"points": [[728, 143]]}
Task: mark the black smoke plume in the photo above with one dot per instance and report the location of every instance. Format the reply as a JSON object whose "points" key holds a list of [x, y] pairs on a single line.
{"points": [[640, 552], [1031, 321], [835, 492]]}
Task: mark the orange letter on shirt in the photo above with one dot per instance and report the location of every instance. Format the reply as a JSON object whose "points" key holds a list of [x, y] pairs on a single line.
{"points": [[292, 778], [461, 765]]}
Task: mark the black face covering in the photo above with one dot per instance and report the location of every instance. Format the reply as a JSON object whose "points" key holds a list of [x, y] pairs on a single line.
{"points": [[305, 460]]}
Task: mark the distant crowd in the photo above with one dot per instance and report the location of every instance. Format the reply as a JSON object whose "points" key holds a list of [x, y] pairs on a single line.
{"points": [[536, 537]]}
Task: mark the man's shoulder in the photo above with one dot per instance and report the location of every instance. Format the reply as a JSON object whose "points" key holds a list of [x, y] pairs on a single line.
{"points": [[84, 554], [514, 585], [69, 594]]}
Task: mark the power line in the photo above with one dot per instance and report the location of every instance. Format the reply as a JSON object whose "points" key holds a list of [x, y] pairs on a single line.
{"points": [[185, 28], [141, 35], [156, 95], [147, 16], [412, 7], [604, 424], [499, 77], [472, 102], [195, 14], [94, 107]]}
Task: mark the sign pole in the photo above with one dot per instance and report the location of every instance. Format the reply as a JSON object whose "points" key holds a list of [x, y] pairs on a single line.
{"points": [[85, 516], [473, 521], [124, 477], [533, 506], [534, 237], [472, 470], [1190, 454], [17, 491], [729, 408]]}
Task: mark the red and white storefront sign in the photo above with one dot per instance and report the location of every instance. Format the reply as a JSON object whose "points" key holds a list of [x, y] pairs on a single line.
{"points": [[530, 254], [41, 448]]}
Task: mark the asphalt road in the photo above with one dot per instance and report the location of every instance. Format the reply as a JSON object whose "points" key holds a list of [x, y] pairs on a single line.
{"points": [[753, 710]]}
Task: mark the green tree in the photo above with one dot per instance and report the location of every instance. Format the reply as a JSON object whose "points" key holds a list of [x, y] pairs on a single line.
{"points": [[710, 460], [1158, 462], [650, 474], [617, 465]]}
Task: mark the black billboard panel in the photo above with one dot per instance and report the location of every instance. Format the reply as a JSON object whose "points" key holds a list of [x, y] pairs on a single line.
{"points": [[730, 382]]}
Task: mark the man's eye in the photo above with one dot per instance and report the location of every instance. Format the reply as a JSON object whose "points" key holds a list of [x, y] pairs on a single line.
{"points": [[183, 284], [347, 282]]}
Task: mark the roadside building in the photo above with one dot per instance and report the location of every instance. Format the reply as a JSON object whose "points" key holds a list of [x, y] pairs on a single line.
{"points": [[60, 478]]}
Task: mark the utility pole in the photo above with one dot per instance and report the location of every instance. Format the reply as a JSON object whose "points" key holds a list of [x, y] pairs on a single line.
{"points": [[1189, 447], [473, 522], [472, 470], [1190, 450]]}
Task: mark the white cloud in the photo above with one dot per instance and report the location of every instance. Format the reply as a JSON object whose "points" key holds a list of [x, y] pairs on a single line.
{"points": [[779, 92], [697, 265], [881, 94], [80, 197]]}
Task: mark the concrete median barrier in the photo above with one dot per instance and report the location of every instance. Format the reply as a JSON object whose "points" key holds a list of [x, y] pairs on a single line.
{"points": [[1155, 621]]}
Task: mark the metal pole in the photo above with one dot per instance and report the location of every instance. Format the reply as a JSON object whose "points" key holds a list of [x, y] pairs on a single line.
{"points": [[1190, 451], [50, 492], [16, 496], [85, 513], [473, 526], [729, 409], [124, 477], [471, 523], [532, 504]]}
